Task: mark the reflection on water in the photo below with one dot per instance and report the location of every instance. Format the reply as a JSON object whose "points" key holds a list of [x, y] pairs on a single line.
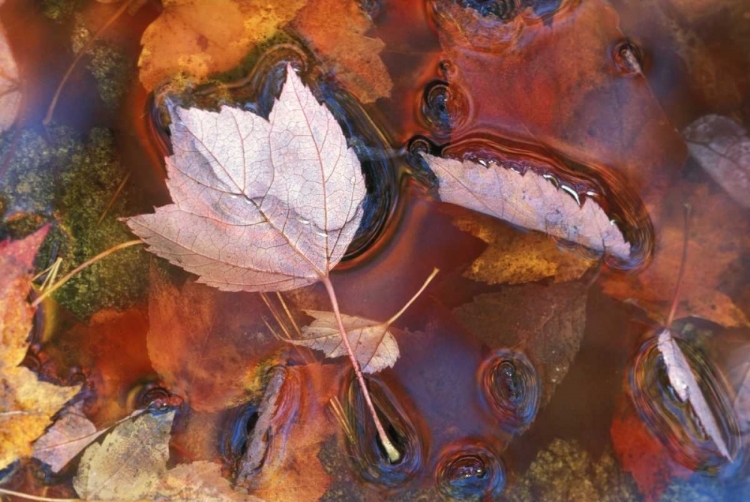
{"points": [[502, 392]]}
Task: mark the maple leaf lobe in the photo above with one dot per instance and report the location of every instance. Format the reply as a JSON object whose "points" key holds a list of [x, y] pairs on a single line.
{"points": [[258, 205]]}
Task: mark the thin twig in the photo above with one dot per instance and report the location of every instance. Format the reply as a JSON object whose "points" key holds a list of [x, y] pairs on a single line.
{"points": [[79, 56], [413, 298], [393, 454], [82, 266], [114, 197], [289, 314], [34, 497], [683, 262]]}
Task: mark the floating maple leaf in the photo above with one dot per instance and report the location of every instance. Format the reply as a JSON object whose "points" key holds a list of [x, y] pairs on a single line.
{"points": [[527, 200], [261, 205], [26, 404]]}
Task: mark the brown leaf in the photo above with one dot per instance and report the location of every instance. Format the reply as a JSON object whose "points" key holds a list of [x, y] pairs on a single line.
{"points": [[514, 257], [722, 147], [545, 322], [259, 205], [282, 461], [200, 38], [207, 345], [719, 237], [335, 31], [26, 404], [529, 201]]}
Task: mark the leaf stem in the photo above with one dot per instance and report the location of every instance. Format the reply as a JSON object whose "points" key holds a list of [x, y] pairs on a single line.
{"points": [[79, 55], [681, 273], [393, 454], [34, 497], [82, 266], [413, 298]]}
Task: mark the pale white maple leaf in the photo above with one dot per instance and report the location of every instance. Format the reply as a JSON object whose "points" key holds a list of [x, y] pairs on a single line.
{"points": [[682, 379], [259, 205], [529, 201]]}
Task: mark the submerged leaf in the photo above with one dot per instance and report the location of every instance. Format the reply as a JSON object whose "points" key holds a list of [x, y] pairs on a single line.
{"points": [[335, 31], [200, 38], [130, 461], [722, 147], [258, 205], [373, 342], [527, 200], [686, 386], [26, 404]]}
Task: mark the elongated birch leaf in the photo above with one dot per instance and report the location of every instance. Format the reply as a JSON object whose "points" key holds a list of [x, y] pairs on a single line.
{"points": [[529, 201], [683, 381]]}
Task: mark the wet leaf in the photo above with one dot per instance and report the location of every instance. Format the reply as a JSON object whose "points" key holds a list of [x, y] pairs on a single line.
{"points": [[335, 31], [10, 93], [282, 460], [200, 38], [720, 237], [722, 147], [683, 381], [514, 257], [259, 205], [26, 403], [131, 464], [529, 201], [373, 342], [207, 345], [68, 437], [545, 322]]}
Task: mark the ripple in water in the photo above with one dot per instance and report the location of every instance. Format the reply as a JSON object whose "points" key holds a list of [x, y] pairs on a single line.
{"points": [[469, 471], [510, 389], [673, 421], [365, 450]]}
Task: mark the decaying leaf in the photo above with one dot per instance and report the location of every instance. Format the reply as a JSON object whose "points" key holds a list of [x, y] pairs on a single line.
{"points": [[131, 464], [721, 238], [546, 322], [200, 38], [683, 381], [373, 342], [514, 257], [722, 147], [258, 205], [529, 201], [26, 403], [68, 437], [130, 461], [207, 345], [335, 31], [10, 93]]}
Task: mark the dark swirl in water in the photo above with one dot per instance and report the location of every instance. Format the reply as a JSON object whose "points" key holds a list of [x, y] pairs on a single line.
{"points": [[673, 421], [511, 389], [469, 471], [365, 450]]}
